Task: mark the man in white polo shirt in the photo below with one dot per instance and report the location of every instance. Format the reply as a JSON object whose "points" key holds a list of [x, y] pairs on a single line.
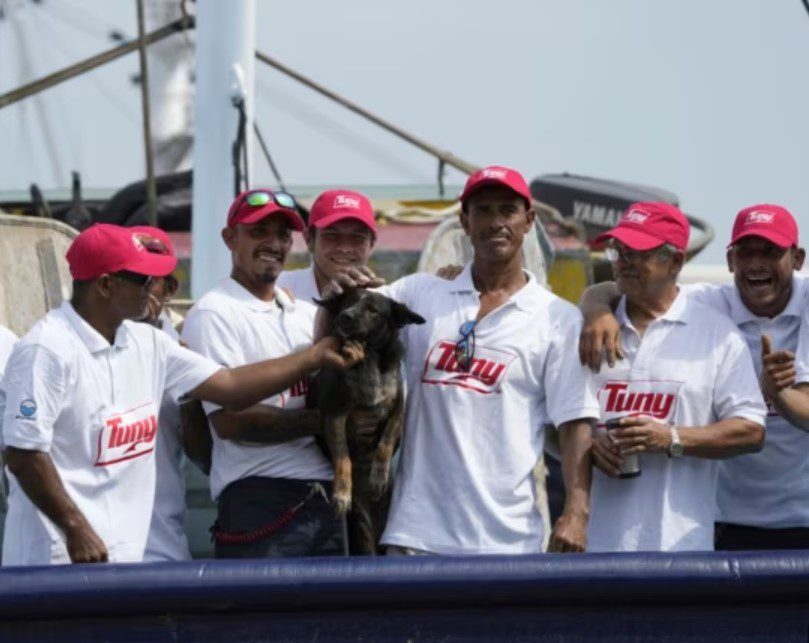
{"points": [[340, 233], [763, 498], [270, 478], [490, 368], [83, 389], [684, 395]]}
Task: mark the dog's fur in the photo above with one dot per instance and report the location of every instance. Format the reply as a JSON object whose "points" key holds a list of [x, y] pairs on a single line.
{"points": [[362, 409]]}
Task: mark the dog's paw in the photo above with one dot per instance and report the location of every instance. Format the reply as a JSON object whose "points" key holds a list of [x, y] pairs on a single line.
{"points": [[378, 479], [342, 504]]}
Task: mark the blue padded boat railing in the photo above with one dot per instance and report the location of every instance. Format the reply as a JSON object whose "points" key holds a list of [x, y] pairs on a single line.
{"points": [[706, 596]]}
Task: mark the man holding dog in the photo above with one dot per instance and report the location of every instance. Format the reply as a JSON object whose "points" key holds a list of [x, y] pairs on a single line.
{"points": [[270, 478], [487, 371], [762, 497]]}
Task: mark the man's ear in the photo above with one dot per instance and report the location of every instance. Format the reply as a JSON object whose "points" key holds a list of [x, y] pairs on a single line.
{"points": [[402, 315], [729, 258], [229, 237], [103, 286], [463, 215], [798, 258]]}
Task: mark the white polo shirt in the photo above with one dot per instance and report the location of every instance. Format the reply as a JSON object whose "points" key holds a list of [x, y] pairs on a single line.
{"points": [[233, 327], [471, 440], [167, 540], [769, 488], [93, 407], [7, 342], [301, 282], [802, 351], [691, 368]]}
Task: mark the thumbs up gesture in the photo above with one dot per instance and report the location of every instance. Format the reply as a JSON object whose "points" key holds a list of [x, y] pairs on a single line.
{"points": [[777, 368]]}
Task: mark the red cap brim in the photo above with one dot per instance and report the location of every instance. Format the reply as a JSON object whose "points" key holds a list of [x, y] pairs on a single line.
{"points": [[271, 208], [326, 221], [770, 235], [152, 264], [631, 238]]}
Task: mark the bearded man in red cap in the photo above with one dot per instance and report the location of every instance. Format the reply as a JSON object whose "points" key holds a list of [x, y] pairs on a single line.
{"points": [[83, 389], [684, 395], [761, 497]]}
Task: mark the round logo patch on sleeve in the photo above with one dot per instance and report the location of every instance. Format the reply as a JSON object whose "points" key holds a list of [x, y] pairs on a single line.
{"points": [[28, 408]]}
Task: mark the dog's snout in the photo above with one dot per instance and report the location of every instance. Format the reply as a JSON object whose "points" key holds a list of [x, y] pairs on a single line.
{"points": [[345, 323]]}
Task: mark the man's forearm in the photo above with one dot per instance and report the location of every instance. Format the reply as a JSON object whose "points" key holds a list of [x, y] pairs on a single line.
{"points": [[598, 297], [40, 481], [793, 405], [575, 444], [723, 439], [240, 387], [264, 424]]}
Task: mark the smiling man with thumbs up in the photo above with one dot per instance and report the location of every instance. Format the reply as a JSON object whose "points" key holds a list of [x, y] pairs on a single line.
{"points": [[763, 498]]}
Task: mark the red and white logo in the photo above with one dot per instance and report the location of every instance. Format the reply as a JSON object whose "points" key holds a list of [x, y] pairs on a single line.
{"points": [[636, 216], [758, 216], [127, 435], [299, 388], [485, 374], [494, 174], [654, 398], [344, 201]]}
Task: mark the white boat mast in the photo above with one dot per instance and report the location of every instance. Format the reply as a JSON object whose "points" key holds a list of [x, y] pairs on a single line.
{"points": [[226, 50]]}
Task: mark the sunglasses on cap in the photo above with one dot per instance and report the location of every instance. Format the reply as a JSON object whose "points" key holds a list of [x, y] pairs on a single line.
{"points": [[260, 198], [152, 244], [465, 347]]}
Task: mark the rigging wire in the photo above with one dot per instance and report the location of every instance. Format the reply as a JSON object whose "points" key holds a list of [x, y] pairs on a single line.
{"points": [[269, 158], [806, 5]]}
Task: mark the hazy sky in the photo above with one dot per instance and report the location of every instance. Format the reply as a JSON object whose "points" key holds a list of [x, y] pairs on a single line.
{"points": [[708, 99]]}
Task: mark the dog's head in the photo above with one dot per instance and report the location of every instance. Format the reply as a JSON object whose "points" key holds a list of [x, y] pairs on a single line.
{"points": [[368, 317]]}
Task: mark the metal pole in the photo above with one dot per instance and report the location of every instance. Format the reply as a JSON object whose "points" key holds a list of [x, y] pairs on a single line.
{"points": [[46, 82], [151, 187], [446, 157]]}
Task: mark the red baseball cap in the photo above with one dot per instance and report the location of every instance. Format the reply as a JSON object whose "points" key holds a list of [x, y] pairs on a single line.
{"points": [[648, 225], [104, 249], [251, 206], [337, 205], [771, 222], [497, 175]]}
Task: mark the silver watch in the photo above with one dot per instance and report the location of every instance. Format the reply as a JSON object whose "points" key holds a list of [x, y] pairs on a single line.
{"points": [[676, 447]]}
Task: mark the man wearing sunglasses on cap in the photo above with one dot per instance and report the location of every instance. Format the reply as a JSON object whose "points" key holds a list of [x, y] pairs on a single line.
{"points": [[82, 394], [269, 477], [340, 234], [490, 368], [762, 497]]}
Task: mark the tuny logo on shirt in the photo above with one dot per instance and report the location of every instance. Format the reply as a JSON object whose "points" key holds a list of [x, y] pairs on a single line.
{"points": [[758, 216], [485, 374], [343, 201], [127, 435], [636, 216], [299, 388], [653, 398]]}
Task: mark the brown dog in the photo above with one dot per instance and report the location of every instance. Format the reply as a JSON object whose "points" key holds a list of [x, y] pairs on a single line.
{"points": [[363, 409]]}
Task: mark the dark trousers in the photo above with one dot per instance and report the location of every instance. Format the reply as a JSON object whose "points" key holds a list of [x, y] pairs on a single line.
{"points": [[730, 537], [257, 510]]}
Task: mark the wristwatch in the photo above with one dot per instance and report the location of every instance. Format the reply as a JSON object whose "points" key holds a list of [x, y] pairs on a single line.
{"points": [[676, 447]]}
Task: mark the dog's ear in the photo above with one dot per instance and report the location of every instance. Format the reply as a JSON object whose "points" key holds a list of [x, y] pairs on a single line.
{"points": [[402, 315], [333, 304]]}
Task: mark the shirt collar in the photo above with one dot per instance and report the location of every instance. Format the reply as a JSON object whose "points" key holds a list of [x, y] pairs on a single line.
{"points": [[741, 314], [678, 312], [523, 298], [240, 293], [89, 336]]}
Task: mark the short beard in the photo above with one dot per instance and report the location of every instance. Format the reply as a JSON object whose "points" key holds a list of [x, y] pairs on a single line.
{"points": [[268, 278]]}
